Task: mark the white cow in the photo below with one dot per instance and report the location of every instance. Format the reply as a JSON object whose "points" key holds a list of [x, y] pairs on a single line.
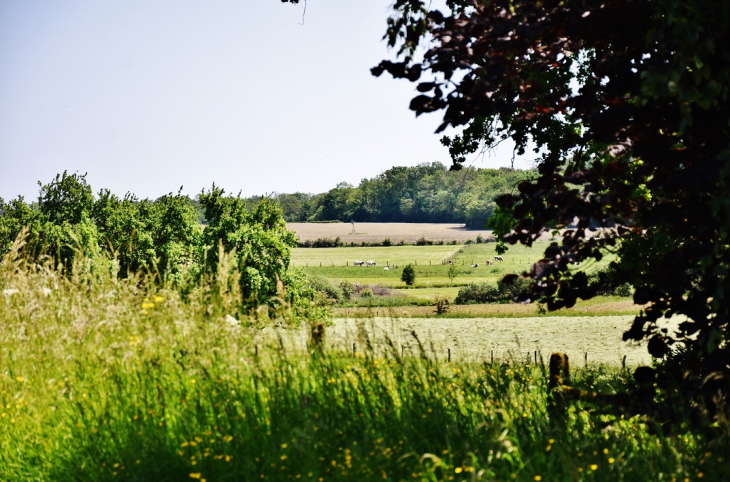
{"points": [[369, 263], [386, 268], [358, 263], [498, 258], [475, 266]]}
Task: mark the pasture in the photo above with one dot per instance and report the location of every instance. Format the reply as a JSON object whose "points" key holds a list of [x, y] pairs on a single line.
{"points": [[429, 262]]}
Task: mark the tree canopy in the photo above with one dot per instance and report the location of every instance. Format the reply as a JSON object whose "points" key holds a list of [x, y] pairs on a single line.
{"points": [[627, 103], [426, 193]]}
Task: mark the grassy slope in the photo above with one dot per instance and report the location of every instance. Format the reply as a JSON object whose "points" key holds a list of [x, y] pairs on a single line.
{"points": [[106, 380]]}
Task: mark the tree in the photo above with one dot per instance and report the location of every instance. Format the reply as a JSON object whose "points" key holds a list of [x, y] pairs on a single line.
{"points": [[453, 273], [409, 275], [260, 239], [627, 102]]}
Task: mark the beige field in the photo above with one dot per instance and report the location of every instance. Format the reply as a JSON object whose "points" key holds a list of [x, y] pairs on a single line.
{"points": [[377, 232], [407, 232], [477, 339]]}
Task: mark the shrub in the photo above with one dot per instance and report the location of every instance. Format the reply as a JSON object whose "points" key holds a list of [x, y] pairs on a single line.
{"points": [[409, 275], [486, 292], [347, 289], [366, 293], [441, 303], [422, 241], [387, 242], [323, 285], [480, 238], [624, 290], [327, 243]]}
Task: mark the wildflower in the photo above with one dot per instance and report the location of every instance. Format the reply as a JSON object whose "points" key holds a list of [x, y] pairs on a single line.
{"points": [[20, 379], [594, 466], [538, 478], [605, 451], [158, 299], [195, 475], [458, 470], [611, 460]]}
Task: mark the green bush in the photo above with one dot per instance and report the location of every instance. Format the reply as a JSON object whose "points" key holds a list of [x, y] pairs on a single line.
{"points": [[409, 275], [347, 289], [476, 293]]}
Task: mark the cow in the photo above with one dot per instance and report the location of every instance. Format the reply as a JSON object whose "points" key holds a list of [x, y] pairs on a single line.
{"points": [[358, 263], [386, 268], [369, 263], [451, 261], [489, 263], [498, 258], [475, 266]]}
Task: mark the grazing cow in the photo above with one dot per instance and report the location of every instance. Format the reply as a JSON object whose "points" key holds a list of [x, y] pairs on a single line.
{"points": [[386, 268], [369, 263], [489, 263], [498, 258], [451, 261], [475, 266], [358, 263]]}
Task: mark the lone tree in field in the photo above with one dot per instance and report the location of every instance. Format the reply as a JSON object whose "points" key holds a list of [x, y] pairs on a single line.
{"points": [[409, 275], [628, 102], [453, 273]]}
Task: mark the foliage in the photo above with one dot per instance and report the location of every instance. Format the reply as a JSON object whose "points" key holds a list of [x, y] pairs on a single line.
{"points": [[162, 236], [424, 193], [408, 276], [259, 239], [491, 292], [441, 303], [347, 289], [627, 105], [453, 273]]}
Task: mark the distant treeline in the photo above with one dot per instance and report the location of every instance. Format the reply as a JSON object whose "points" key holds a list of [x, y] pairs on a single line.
{"points": [[427, 193]]}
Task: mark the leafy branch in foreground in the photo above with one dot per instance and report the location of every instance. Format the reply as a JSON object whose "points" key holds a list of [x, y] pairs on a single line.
{"points": [[627, 103]]}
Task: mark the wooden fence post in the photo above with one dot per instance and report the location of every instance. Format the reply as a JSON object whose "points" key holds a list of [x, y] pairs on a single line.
{"points": [[449, 355]]}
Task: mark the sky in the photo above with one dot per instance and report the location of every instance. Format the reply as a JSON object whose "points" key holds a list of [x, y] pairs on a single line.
{"points": [[146, 97]]}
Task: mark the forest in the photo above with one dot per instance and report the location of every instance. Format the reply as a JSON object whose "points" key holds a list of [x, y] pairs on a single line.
{"points": [[426, 193]]}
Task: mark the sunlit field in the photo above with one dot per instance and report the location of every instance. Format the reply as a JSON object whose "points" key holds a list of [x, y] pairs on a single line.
{"points": [[109, 379]]}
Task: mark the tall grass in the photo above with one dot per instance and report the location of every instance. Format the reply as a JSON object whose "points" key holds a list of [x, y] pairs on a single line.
{"points": [[109, 379]]}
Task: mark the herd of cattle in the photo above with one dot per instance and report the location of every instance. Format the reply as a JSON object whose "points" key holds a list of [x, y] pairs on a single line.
{"points": [[451, 261]]}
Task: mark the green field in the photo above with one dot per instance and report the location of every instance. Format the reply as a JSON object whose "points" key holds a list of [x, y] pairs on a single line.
{"points": [[429, 263], [105, 379]]}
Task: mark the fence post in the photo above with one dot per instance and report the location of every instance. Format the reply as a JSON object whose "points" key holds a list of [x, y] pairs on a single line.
{"points": [[449, 355], [623, 363], [492, 356], [535, 357], [353, 350], [586, 362]]}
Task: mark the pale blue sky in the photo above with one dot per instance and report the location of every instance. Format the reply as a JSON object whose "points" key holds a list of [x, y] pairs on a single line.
{"points": [[146, 96]]}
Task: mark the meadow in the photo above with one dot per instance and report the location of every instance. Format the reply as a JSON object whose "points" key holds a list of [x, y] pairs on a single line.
{"points": [[105, 378], [430, 263]]}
